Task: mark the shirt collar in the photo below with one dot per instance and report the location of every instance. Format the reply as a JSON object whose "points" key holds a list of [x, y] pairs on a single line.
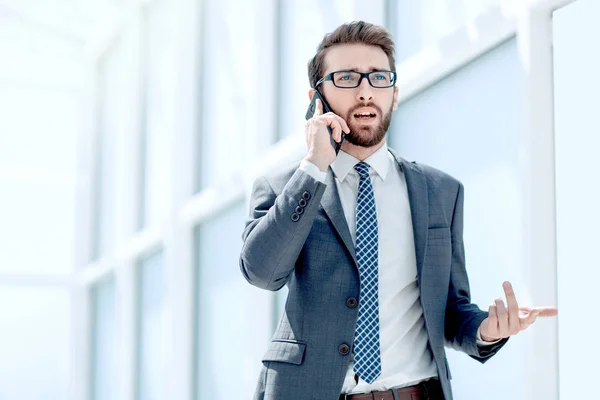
{"points": [[378, 161]]}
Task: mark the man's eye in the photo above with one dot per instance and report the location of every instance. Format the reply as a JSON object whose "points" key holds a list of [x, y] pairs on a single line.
{"points": [[345, 77], [380, 77]]}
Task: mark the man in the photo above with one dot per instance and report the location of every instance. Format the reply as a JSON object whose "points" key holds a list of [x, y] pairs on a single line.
{"points": [[370, 247]]}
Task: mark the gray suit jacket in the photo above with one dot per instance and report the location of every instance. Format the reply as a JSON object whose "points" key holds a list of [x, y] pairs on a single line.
{"points": [[297, 235]]}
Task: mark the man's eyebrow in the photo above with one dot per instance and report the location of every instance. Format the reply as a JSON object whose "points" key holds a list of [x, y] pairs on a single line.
{"points": [[371, 69]]}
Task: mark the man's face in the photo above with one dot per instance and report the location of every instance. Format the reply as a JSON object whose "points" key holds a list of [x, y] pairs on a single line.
{"points": [[353, 104]]}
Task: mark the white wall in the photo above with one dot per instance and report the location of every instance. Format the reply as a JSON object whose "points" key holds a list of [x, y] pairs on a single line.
{"points": [[577, 116]]}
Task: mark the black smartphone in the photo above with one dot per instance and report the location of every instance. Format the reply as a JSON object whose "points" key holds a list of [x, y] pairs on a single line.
{"points": [[311, 111]]}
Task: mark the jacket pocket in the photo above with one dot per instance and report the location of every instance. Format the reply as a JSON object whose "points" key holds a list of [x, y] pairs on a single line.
{"points": [[286, 351]]}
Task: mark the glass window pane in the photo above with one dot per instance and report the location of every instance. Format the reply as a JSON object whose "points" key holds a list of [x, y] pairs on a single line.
{"points": [[421, 23], [106, 200], [304, 23], [37, 179], [225, 348], [35, 343], [151, 329], [115, 121], [34, 58], [577, 140], [105, 363], [158, 107], [469, 125], [230, 90]]}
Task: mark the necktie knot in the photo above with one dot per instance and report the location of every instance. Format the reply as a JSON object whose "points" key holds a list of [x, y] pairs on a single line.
{"points": [[363, 169]]}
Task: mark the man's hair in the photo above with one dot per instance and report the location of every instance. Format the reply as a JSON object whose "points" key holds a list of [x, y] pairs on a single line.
{"points": [[353, 32]]}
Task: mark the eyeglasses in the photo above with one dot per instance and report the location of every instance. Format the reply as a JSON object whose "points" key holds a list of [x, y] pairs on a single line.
{"points": [[352, 79]]}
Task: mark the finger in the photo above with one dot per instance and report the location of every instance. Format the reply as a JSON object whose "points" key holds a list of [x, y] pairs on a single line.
{"points": [[336, 131], [513, 308], [493, 318], [546, 311], [502, 317], [525, 309], [343, 123], [333, 121], [492, 321], [318, 107]]}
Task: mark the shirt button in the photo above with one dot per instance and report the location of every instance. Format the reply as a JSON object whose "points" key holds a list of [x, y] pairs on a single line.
{"points": [[299, 210], [302, 203], [306, 195], [295, 217], [344, 349], [351, 302]]}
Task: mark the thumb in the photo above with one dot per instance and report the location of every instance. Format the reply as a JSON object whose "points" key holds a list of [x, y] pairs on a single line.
{"points": [[547, 311], [532, 316]]}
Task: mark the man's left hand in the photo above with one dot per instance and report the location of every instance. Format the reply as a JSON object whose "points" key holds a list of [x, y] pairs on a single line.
{"points": [[503, 322]]}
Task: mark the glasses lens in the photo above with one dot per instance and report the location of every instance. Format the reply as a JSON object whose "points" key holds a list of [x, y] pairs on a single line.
{"points": [[347, 79], [382, 78]]}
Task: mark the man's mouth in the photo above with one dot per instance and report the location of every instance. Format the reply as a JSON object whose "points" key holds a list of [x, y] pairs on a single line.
{"points": [[364, 115]]}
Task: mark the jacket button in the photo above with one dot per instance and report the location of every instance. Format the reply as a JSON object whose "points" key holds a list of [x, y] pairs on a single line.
{"points": [[299, 210], [306, 195], [302, 203], [295, 217], [344, 349], [351, 302]]}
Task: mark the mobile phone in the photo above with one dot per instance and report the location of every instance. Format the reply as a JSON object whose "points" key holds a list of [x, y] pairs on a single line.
{"points": [[311, 111]]}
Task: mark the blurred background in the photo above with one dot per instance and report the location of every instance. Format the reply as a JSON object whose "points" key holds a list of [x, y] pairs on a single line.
{"points": [[131, 132]]}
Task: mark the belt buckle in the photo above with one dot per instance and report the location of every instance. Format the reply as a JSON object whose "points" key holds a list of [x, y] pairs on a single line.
{"points": [[426, 390]]}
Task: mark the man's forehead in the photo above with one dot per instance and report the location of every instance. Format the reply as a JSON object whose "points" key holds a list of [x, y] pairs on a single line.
{"points": [[355, 67], [356, 57]]}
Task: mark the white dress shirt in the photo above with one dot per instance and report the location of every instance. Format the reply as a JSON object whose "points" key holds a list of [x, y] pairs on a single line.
{"points": [[405, 355]]}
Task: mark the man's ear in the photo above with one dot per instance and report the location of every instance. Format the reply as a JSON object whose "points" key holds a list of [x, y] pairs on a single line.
{"points": [[396, 93], [311, 93]]}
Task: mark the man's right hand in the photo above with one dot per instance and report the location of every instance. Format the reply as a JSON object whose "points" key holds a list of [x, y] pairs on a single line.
{"points": [[320, 151]]}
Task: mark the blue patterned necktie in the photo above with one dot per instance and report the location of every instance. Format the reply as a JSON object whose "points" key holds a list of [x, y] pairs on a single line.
{"points": [[367, 360]]}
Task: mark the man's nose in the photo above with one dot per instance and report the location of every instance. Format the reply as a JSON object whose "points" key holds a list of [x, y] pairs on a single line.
{"points": [[364, 91]]}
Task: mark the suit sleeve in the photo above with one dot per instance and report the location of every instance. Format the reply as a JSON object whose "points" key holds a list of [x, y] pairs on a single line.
{"points": [[463, 317], [277, 228]]}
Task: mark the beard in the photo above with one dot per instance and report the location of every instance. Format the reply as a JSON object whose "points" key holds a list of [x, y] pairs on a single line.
{"points": [[367, 135]]}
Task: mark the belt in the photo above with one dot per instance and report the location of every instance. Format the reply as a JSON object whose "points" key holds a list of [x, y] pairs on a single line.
{"points": [[427, 390]]}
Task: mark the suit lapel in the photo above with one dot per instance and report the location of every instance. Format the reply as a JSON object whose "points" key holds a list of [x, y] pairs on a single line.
{"points": [[333, 208], [419, 209], [419, 206]]}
